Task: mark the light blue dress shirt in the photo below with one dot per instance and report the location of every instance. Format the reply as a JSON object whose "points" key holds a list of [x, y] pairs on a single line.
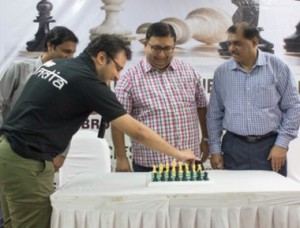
{"points": [[254, 103]]}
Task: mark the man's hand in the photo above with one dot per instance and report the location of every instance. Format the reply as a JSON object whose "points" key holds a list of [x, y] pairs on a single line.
{"points": [[216, 161], [188, 155], [277, 156], [204, 150], [58, 162], [122, 165]]}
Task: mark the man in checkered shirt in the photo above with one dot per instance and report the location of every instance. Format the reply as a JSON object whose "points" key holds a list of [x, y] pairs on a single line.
{"points": [[166, 94]]}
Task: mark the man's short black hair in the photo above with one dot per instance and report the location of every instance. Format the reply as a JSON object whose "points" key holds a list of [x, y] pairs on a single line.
{"points": [[160, 29], [108, 43], [249, 31], [58, 35]]}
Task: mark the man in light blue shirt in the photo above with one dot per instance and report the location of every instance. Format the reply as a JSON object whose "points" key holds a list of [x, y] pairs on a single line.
{"points": [[255, 100]]}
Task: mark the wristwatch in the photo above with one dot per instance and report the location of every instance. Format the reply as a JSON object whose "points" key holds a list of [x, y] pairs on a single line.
{"points": [[205, 139]]}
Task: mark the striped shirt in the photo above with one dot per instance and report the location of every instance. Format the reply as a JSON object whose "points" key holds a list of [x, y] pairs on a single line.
{"points": [[254, 103], [166, 102]]}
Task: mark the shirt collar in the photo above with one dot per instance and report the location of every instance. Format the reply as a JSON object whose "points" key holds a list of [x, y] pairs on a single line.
{"points": [[260, 61], [88, 60], [149, 68]]}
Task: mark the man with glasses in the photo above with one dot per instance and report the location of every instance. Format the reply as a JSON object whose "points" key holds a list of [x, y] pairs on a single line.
{"points": [[55, 102], [165, 94]]}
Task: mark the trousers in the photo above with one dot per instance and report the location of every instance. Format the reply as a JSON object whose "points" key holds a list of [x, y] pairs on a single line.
{"points": [[25, 188], [242, 155]]}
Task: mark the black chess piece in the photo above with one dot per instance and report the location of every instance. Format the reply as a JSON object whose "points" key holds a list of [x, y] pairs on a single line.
{"points": [[198, 178], [192, 175], [292, 42], [177, 175], [205, 176], [184, 178], [37, 44], [163, 178], [155, 179], [247, 11], [169, 176]]}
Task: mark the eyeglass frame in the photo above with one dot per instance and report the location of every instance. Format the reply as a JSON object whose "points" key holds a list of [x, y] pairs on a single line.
{"points": [[118, 66], [156, 52]]}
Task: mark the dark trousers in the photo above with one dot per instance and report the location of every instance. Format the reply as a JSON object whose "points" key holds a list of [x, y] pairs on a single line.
{"points": [[139, 168], [242, 155]]}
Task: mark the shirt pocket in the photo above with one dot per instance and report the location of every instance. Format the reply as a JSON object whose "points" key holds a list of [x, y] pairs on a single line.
{"points": [[266, 96]]}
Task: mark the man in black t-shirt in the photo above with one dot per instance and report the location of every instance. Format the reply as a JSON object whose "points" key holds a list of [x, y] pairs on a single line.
{"points": [[55, 102]]}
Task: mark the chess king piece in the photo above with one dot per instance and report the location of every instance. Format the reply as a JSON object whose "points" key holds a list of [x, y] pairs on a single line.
{"points": [[292, 42], [44, 8], [248, 11], [111, 24]]}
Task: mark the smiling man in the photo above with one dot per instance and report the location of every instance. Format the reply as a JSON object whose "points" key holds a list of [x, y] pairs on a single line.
{"points": [[55, 102], [166, 94], [255, 99]]}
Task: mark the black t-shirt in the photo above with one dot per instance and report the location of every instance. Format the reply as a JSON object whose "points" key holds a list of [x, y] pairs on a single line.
{"points": [[55, 102]]}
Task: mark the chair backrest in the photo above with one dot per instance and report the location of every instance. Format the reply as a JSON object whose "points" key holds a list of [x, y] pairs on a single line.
{"points": [[87, 153]]}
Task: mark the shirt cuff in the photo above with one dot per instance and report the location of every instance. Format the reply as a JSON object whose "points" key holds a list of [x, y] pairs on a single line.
{"points": [[215, 149], [283, 141]]}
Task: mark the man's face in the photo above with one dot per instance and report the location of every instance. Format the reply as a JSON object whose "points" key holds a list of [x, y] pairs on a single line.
{"points": [[64, 50], [113, 67], [159, 51], [241, 49]]}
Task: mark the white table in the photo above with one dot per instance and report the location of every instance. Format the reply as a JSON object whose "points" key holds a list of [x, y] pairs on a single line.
{"points": [[232, 199]]}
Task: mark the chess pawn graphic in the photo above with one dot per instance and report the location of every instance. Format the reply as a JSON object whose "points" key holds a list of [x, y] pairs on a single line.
{"points": [[292, 42], [44, 8], [208, 25], [111, 24], [182, 30]]}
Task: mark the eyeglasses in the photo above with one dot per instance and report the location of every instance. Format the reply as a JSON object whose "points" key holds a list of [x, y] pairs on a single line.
{"points": [[118, 66], [156, 49]]}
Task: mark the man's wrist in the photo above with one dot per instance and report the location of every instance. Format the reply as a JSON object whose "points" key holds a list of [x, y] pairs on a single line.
{"points": [[205, 139]]}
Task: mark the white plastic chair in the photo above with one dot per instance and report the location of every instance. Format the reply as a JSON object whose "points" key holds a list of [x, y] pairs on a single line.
{"points": [[87, 153]]}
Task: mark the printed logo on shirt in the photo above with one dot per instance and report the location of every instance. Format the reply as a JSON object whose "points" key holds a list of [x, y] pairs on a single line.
{"points": [[51, 76]]}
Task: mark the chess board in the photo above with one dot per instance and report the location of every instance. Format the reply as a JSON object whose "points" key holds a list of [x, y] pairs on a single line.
{"points": [[179, 174]]}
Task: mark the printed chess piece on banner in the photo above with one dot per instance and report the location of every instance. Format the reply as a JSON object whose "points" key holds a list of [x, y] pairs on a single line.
{"points": [[292, 42], [208, 25], [112, 24], [44, 8], [247, 11]]}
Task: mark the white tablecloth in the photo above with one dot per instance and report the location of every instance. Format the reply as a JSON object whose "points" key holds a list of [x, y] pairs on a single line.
{"points": [[231, 199]]}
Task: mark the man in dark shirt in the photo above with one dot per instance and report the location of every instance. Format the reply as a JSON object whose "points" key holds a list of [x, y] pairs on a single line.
{"points": [[55, 102]]}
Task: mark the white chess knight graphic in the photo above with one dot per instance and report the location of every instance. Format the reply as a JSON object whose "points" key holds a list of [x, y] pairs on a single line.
{"points": [[111, 24]]}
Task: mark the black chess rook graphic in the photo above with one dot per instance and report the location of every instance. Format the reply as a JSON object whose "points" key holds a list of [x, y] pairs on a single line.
{"points": [[292, 42], [248, 11]]}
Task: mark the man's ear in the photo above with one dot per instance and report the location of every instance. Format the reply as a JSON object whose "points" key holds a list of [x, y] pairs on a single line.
{"points": [[101, 58], [255, 41]]}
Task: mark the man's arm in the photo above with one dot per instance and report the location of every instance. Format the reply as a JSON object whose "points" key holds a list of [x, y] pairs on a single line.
{"points": [[7, 84], [204, 143], [148, 137], [122, 163]]}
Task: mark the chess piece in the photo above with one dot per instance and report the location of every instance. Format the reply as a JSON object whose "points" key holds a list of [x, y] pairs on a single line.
{"points": [[208, 25], [154, 174], [182, 30], [44, 8], [247, 11], [292, 42], [111, 24], [199, 169], [161, 172]]}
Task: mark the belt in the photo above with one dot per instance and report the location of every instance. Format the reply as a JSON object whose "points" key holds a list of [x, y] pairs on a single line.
{"points": [[253, 138]]}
